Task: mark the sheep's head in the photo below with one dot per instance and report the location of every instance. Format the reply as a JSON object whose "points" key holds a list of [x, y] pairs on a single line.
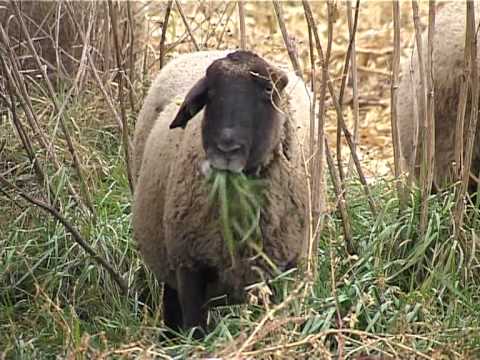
{"points": [[241, 94]]}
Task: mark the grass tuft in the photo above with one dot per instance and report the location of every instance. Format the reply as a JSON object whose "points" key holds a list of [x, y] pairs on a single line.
{"points": [[239, 199]]}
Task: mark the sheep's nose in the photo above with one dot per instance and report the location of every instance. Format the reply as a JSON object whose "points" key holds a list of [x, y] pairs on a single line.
{"points": [[226, 142]]}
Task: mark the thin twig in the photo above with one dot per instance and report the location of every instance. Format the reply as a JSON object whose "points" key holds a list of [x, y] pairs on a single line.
{"points": [[429, 151], [267, 317], [347, 229], [187, 26], [125, 137], [131, 59], [164, 33], [354, 75], [289, 43], [241, 18], [343, 84], [422, 125], [318, 168], [393, 102]]}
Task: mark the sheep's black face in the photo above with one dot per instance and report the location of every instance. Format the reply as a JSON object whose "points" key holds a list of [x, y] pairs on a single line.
{"points": [[242, 121]]}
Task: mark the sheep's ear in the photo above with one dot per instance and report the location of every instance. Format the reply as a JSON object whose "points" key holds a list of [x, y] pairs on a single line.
{"points": [[194, 102], [279, 79]]}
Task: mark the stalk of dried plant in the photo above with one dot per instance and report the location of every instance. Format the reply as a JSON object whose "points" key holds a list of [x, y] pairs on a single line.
{"points": [[314, 164], [460, 121], [24, 138], [310, 166], [57, 37], [125, 136], [131, 57], [17, 85], [462, 107], [470, 48], [346, 67], [368, 340], [251, 340], [288, 41], [75, 234], [54, 99], [17, 80], [422, 125], [354, 76], [429, 151], [393, 101], [328, 82], [108, 98], [318, 168], [164, 33], [341, 203], [412, 166], [321, 141], [314, 223], [187, 26], [313, 89], [241, 20]]}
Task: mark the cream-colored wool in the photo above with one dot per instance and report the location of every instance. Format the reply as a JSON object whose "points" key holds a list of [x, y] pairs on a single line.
{"points": [[172, 222], [448, 57]]}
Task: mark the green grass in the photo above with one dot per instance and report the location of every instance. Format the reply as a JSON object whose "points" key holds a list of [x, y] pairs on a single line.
{"points": [[400, 294], [239, 199]]}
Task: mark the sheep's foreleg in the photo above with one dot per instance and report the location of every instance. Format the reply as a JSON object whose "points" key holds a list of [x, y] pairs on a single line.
{"points": [[191, 290], [172, 311]]}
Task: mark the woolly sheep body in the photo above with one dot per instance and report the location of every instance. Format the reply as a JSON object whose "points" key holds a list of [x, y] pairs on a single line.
{"points": [[448, 57], [172, 222]]}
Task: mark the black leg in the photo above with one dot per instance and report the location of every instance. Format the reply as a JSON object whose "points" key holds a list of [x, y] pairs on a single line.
{"points": [[191, 291], [172, 311]]}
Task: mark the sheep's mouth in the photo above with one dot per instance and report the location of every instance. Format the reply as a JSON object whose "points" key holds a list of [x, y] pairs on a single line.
{"points": [[235, 165], [233, 161]]}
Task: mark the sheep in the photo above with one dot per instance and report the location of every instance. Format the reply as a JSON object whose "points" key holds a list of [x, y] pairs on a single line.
{"points": [[448, 66], [255, 120]]}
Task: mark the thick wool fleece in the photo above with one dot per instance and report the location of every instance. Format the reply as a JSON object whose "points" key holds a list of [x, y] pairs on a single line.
{"points": [[172, 222], [448, 57]]}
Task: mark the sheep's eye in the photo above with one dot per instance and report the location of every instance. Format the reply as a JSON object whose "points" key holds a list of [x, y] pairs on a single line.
{"points": [[269, 88]]}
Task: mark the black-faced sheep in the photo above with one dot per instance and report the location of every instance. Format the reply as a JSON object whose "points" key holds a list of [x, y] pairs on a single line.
{"points": [[448, 66], [254, 119], [167, 86]]}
